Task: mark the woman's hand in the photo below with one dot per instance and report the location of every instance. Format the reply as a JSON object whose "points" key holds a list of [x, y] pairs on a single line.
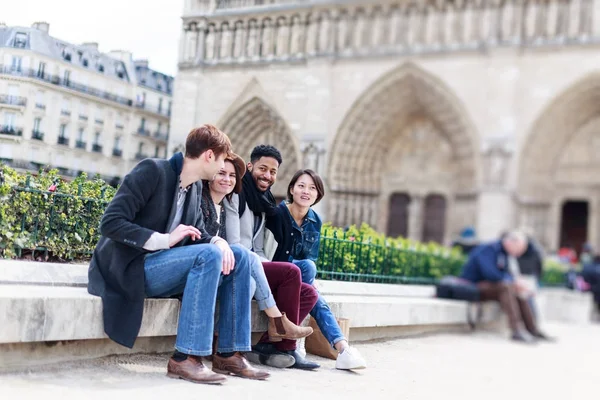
{"points": [[228, 258]]}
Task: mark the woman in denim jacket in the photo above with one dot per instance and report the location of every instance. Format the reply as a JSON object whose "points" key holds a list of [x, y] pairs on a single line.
{"points": [[296, 229]]}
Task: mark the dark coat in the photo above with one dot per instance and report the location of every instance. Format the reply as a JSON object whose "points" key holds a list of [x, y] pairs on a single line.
{"points": [[487, 262], [145, 203]]}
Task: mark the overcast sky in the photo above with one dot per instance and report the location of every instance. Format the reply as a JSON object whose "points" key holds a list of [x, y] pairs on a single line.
{"points": [[148, 28]]}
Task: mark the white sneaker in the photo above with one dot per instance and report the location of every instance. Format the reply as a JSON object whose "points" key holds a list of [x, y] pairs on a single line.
{"points": [[350, 359]]}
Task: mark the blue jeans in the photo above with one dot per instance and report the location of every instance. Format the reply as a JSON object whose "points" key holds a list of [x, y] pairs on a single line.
{"points": [[195, 271], [321, 311], [259, 285]]}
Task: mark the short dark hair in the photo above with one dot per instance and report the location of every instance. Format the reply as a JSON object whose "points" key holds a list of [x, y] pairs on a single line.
{"points": [[316, 179], [206, 137], [265, 150]]}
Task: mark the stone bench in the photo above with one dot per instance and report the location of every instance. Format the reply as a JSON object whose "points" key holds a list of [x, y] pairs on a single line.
{"points": [[48, 316]]}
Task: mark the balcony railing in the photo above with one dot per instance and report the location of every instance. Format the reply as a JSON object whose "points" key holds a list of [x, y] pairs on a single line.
{"points": [[163, 137], [225, 4], [40, 106], [63, 141], [13, 100], [155, 110], [142, 131], [117, 152], [37, 135], [11, 130], [80, 144], [65, 113], [97, 148], [83, 117], [67, 83], [140, 156], [119, 126]]}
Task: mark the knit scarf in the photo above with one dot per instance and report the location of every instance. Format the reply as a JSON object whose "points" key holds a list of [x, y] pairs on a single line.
{"points": [[259, 202]]}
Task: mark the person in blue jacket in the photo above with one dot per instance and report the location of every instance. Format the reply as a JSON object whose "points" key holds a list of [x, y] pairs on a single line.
{"points": [[296, 230], [492, 267]]}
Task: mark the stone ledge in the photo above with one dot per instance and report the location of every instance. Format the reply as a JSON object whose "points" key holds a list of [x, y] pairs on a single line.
{"points": [[50, 313]]}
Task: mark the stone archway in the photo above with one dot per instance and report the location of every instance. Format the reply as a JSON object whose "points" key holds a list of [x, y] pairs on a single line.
{"points": [[559, 163], [407, 133], [254, 123]]}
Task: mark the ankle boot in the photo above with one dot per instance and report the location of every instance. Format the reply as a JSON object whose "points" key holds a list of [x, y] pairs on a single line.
{"points": [[282, 328]]}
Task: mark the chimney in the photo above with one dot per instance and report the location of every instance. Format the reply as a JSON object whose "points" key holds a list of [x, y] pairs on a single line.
{"points": [[143, 63], [90, 46], [42, 26], [121, 55], [2, 24]]}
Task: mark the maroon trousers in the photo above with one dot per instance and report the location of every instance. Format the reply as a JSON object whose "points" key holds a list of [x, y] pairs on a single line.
{"points": [[293, 297]]}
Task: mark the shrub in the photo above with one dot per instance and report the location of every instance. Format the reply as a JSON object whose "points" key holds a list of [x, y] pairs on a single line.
{"points": [[46, 213]]}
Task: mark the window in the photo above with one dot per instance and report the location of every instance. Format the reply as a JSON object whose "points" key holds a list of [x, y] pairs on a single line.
{"points": [[97, 138], [41, 73], [140, 147], [169, 109], [20, 40], [67, 77], [62, 132], [81, 134], [85, 62], [160, 101], [37, 124], [117, 142], [159, 127], [16, 63], [10, 120], [100, 68], [156, 152], [143, 123]]}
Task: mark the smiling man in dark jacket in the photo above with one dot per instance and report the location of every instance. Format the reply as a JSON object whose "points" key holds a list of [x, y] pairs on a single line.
{"points": [[154, 244], [489, 266]]}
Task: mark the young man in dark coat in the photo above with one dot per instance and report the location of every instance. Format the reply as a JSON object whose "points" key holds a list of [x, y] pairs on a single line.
{"points": [[154, 244]]}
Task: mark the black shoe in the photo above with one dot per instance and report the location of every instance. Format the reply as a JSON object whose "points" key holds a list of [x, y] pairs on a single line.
{"points": [[267, 354], [522, 337], [301, 362]]}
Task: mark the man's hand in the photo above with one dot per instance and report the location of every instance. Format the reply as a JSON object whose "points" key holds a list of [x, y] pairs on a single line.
{"points": [[181, 232], [228, 258]]}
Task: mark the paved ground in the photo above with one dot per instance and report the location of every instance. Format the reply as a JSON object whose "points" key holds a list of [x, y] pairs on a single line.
{"points": [[476, 366]]}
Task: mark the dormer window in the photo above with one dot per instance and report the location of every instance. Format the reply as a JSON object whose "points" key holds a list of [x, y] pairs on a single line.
{"points": [[66, 55], [20, 40], [100, 68], [85, 62]]}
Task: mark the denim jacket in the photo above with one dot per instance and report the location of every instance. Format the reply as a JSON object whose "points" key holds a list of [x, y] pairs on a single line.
{"points": [[295, 242]]}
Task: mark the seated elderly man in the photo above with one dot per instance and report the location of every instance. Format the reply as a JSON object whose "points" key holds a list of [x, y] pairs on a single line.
{"points": [[492, 267]]}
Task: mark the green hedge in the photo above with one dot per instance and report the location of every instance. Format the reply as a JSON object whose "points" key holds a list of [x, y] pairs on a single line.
{"points": [[49, 216], [361, 253]]}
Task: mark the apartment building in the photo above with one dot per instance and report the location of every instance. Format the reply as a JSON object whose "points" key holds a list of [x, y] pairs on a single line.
{"points": [[69, 106]]}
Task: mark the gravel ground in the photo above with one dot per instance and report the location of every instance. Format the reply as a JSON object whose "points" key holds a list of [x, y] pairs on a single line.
{"points": [[484, 365]]}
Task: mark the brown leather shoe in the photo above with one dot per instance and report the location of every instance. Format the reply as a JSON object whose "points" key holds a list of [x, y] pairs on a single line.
{"points": [[237, 365], [193, 370], [282, 328]]}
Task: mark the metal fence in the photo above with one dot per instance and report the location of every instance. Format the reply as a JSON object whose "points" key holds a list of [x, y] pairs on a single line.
{"points": [[44, 222], [351, 258]]}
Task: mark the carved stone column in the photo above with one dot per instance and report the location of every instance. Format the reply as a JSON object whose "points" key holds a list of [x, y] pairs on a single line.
{"points": [[496, 209], [200, 41], [415, 217]]}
